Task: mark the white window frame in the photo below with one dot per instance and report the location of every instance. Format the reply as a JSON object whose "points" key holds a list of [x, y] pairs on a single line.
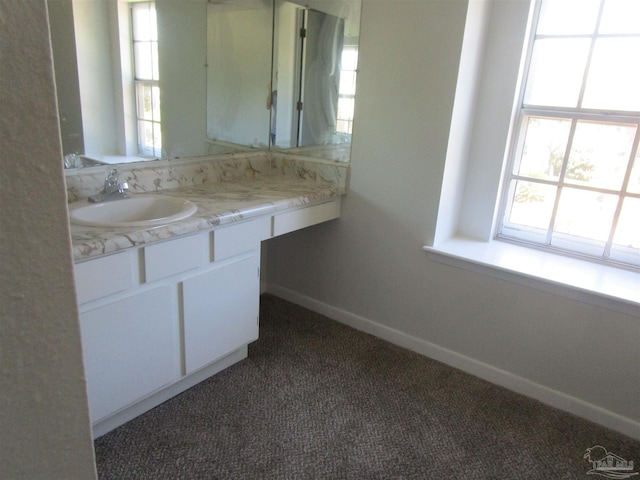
{"points": [[348, 121], [154, 84], [548, 239], [489, 77]]}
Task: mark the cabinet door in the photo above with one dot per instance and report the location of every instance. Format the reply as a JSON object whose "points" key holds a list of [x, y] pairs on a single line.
{"points": [[220, 311], [130, 350]]}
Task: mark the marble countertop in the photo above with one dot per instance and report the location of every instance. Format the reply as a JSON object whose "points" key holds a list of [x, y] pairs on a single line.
{"points": [[218, 204]]}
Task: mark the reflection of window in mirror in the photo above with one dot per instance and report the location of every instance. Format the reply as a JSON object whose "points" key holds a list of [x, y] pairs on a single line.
{"points": [[145, 66], [101, 118], [347, 89]]}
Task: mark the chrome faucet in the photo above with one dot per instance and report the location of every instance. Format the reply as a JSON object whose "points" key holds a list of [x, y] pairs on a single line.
{"points": [[113, 190]]}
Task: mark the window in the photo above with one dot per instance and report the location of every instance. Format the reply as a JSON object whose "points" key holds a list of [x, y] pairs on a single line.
{"points": [[573, 182], [145, 66], [347, 89]]}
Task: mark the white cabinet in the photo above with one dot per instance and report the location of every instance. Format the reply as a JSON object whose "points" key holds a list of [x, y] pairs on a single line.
{"points": [[130, 349], [220, 311], [155, 320], [165, 259], [103, 276], [158, 319], [304, 217], [236, 239]]}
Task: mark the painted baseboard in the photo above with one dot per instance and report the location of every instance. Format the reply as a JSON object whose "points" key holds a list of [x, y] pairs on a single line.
{"points": [[467, 364]]}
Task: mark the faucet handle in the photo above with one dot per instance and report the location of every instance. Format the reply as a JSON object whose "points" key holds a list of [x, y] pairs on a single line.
{"points": [[111, 177]]}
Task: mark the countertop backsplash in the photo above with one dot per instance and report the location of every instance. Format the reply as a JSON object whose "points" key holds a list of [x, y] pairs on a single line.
{"points": [[190, 172]]}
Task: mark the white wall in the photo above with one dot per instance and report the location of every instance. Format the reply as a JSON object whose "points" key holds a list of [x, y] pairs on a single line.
{"points": [[286, 54], [63, 41], [96, 77], [238, 75], [182, 26], [368, 269], [44, 422]]}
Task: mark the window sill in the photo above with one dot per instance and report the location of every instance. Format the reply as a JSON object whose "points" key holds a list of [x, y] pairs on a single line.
{"points": [[581, 280]]}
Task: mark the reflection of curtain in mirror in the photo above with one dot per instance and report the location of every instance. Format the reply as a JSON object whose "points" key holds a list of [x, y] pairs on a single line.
{"points": [[322, 82]]}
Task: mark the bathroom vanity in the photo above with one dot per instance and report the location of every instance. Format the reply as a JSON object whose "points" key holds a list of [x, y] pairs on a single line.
{"points": [[166, 307]]}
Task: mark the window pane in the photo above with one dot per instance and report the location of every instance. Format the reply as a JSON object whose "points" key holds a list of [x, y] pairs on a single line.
{"points": [[634, 180], [556, 71], [600, 154], [148, 102], [347, 83], [140, 22], [155, 97], [145, 101], [544, 147], [143, 19], [620, 16], [149, 138], [532, 204], [143, 58], [349, 59], [345, 108], [628, 228], [343, 126], [561, 17], [614, 76], [585, 214], [154, 60], [145, 135], [157, 140], [146, 60]]}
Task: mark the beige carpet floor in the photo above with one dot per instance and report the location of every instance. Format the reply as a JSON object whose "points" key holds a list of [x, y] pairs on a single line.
{"points": [[319, 400]]}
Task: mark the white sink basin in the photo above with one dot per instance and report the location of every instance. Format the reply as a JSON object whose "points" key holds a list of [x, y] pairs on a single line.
{"points": [[142, 210]]}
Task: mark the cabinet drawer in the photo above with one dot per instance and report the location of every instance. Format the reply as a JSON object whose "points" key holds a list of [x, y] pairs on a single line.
{"points": [[103, 276], [305, 217], [175, 256], [240, 238]]}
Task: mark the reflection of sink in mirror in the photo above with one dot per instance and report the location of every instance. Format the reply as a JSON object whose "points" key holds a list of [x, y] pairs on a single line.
{"points": [[142, 210]]}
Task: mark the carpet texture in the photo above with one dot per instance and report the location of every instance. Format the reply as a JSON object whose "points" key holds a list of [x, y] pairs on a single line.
{"points": [[319, 400]]}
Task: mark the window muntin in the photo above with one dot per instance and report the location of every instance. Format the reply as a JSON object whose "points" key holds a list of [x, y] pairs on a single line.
{"points": [[146, 78], [574, 179]]}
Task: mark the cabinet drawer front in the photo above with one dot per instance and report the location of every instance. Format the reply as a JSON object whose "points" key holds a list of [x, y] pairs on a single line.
{"points": [[175, 256], [237, 239], [129, 349], [305, 217], [103, 276], [220, 311]]}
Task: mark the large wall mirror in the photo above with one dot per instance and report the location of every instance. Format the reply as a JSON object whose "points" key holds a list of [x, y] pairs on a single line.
{"points": [[182, 78], [315, 54]]}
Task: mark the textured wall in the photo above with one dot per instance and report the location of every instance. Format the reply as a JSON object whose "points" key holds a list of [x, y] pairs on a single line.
{"points": [[44, 424]]}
